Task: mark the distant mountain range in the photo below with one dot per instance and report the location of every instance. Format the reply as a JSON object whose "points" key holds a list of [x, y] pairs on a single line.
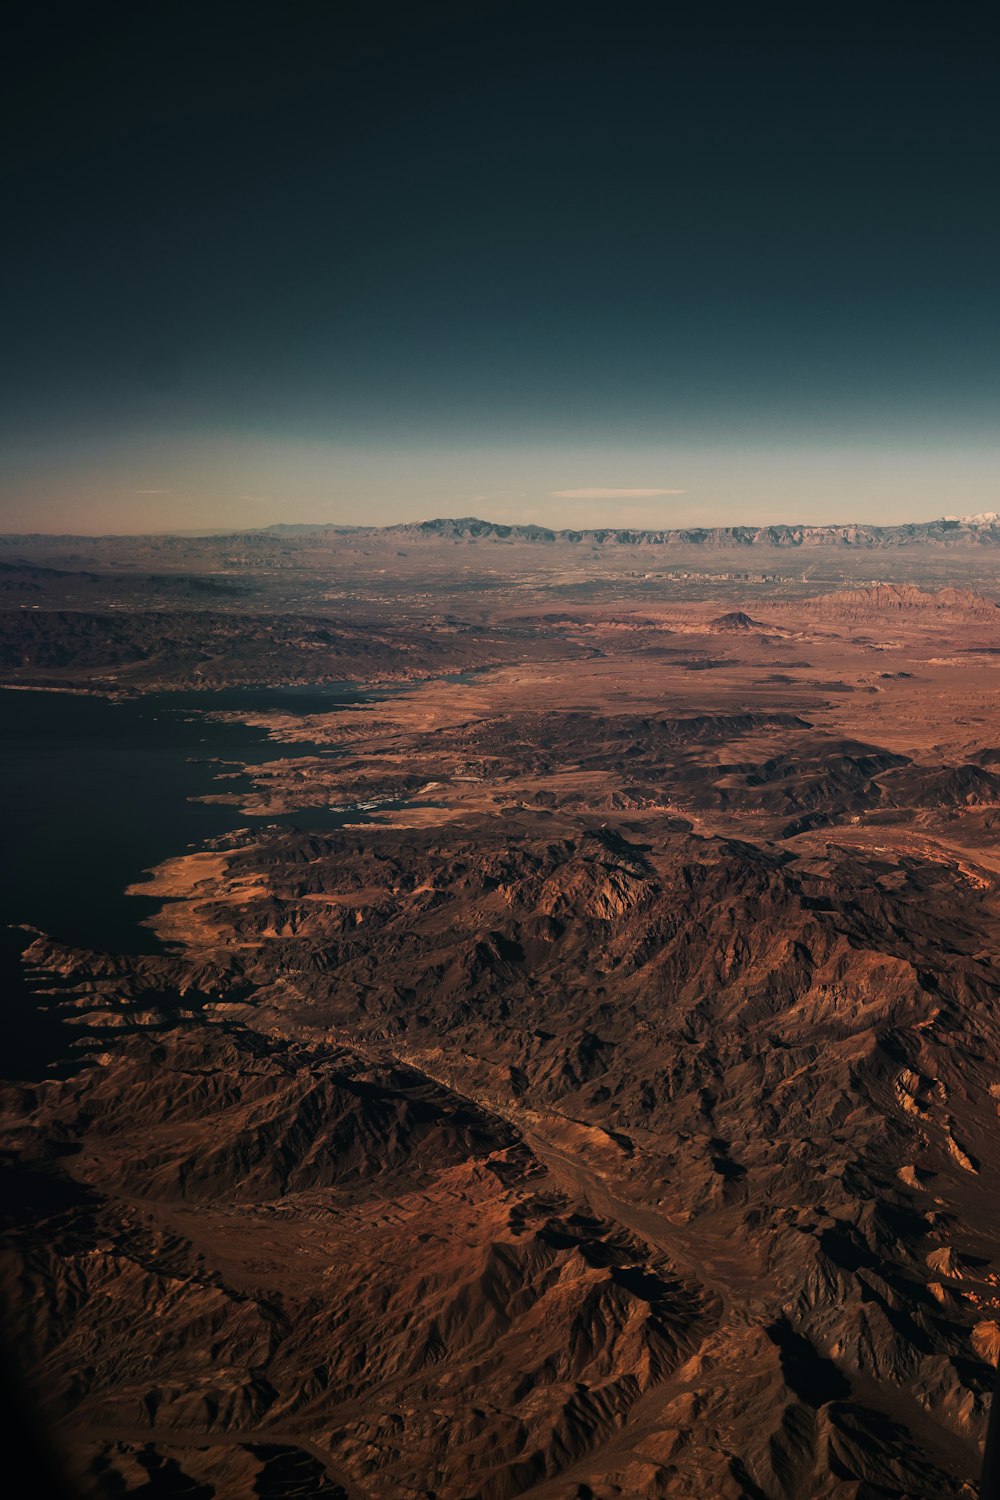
{"points": [[950, 531], [981, 530]]}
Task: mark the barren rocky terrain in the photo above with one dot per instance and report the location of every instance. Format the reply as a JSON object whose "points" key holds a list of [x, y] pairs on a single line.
{"points": [[613, 1115]]}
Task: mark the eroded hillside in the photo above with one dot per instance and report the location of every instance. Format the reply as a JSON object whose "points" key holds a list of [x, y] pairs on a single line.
{"points": [[615, 1115]]}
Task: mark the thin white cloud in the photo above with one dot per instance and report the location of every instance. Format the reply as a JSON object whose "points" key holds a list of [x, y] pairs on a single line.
{"points": [[498, 495], [151, 492], [610, 494]]}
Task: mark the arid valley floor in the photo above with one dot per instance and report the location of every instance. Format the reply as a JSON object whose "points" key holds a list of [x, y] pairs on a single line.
{"points": [[611, 1111]]}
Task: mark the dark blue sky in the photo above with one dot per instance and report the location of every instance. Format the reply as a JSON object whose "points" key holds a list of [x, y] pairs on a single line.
{"points": [[312, 261]]}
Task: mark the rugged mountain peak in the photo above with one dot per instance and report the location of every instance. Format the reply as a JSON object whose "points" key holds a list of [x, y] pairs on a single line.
{"points": [[880, 598]]}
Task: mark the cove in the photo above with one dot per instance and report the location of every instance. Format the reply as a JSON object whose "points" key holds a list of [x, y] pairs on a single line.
{"points": [[95, 792]]}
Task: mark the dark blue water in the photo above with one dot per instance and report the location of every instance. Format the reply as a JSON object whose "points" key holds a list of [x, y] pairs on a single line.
{"points": [[94, 792]]}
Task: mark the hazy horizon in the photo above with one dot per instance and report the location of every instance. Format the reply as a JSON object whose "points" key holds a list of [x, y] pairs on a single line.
{"points": [[246, 484], [493, 516]]}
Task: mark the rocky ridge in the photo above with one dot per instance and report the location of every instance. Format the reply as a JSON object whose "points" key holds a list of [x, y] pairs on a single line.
{"points": [[614, 1116]]}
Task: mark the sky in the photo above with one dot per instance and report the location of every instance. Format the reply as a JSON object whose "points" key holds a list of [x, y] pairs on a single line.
{"points": [[639, 265]]}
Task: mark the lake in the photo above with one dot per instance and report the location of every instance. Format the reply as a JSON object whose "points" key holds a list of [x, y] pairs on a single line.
{"points": [[96, 791]]}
